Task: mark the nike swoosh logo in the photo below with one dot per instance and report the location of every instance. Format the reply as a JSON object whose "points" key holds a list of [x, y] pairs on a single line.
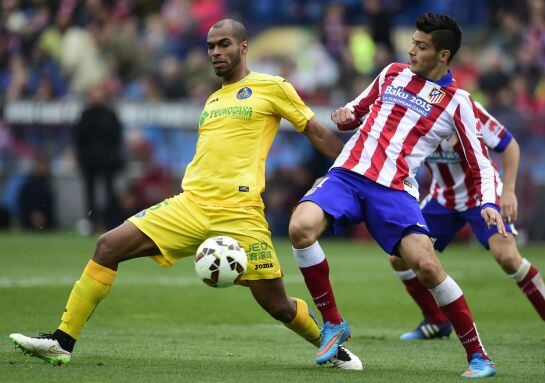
{"points": [[330, 343], [53, 350], [319, 296]]}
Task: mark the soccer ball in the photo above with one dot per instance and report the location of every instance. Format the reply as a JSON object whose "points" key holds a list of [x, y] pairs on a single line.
{"points": [[220, 261]]}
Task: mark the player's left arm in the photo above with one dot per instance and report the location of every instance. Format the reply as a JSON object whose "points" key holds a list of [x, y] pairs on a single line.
{"points": [[510, 162], [323, 139], [468, 128], [500, 140]]}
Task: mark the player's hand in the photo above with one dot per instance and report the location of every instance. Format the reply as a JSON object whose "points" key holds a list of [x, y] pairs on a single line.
{"points": [[343, 116], [509, 206], [492, 217]]}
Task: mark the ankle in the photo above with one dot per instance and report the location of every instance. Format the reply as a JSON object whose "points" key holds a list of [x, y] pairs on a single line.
{"points": [[65, 340]]}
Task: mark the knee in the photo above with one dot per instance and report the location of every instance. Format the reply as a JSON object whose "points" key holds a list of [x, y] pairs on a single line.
{"points": [[105, 250], [302, 233], [397, 263], [429, 271], [508, 260], [505, 253]]}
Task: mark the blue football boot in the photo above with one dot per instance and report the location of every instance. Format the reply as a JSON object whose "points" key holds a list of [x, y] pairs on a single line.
{"points": [[479, 367], [427, 330], [332, 337]]}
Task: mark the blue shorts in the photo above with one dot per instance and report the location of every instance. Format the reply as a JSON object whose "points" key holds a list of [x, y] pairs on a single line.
{"points": [[444, 223], [349, 198]]}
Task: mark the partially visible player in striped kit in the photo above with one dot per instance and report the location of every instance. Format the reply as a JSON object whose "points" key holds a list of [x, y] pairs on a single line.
{"points": [[402, 117], [452, 203]]}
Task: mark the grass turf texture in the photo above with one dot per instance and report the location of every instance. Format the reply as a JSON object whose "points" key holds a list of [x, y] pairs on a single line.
{"points": [[164, 325]]}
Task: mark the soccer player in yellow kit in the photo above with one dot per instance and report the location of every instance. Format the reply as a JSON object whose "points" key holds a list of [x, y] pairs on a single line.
{"points": [[221, 195]]}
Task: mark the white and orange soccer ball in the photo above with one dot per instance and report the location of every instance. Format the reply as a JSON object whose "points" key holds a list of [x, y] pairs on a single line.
{"points": [[220, 261]]}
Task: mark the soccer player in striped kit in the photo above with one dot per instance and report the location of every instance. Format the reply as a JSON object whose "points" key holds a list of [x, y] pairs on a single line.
{"points": [[451, 204], [401, 118]]}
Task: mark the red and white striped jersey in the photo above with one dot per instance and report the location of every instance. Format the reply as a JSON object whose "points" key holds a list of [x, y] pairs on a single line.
{"points": [[402, 119], [452, 185]]}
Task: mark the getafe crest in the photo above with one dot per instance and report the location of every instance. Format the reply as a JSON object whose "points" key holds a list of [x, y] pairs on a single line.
{"points": [[244, 93], [435, 96]]}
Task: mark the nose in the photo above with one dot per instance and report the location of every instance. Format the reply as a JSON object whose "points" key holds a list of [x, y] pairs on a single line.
{"points": [[215, 52], [411, 51]]}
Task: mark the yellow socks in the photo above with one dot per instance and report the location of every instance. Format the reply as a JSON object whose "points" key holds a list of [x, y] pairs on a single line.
{"points": [[93, 285], [304, 324]]}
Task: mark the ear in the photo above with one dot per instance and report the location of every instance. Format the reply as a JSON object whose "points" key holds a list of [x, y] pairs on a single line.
{"points": [[244, 47], [444, 56]]}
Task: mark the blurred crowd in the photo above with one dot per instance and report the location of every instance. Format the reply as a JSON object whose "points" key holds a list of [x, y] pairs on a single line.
{"points": [[154, 51]]}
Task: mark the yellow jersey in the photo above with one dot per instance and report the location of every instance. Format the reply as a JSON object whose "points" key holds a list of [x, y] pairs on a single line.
{"points": [[236, 131]]}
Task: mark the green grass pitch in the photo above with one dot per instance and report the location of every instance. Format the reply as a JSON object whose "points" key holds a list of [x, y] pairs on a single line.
{"points": [[163, 325]]}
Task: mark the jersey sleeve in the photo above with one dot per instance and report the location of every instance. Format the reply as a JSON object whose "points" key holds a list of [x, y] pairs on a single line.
{"points": [[362, 104], [495, 135], [468, 129], [287, 104]]}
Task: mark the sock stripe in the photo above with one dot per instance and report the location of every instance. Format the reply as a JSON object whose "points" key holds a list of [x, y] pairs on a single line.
{"points": [[446, 292], [100, 273], [309, 256], [405, 275]]}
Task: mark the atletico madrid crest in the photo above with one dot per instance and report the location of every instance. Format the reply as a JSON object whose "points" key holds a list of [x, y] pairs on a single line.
{"points": [[435, 96]]}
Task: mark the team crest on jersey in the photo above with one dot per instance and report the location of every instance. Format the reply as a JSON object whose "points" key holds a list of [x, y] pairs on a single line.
{"points": [[244, 93], [436, 96]]}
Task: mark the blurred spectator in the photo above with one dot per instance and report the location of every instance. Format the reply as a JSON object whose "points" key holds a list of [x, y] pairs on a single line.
{"points": [[380, 23], [171, 78], [98, 144], [155, 185], [36, 198]]}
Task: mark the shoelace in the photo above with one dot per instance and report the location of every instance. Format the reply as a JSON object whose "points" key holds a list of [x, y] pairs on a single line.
{"points": [[45, 335], [478, 364], [327, 328]]}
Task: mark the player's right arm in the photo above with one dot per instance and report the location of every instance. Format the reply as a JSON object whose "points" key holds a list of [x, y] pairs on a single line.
{"points": [[349, 116], [290, 106]]}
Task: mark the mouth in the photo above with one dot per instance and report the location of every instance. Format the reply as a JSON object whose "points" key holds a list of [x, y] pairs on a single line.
{"points": [[219, 64], [412, 62]]}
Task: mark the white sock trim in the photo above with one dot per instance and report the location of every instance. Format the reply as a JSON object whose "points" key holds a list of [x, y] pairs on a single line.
{"points": [[521, 273], [405, 275], [309, 256], [446, 292]]}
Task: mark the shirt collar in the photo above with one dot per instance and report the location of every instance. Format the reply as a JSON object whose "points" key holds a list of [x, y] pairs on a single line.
{"points": [[445, 81]]}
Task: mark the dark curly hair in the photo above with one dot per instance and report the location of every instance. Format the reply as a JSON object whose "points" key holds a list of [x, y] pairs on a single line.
{"points": [[444, 30]]}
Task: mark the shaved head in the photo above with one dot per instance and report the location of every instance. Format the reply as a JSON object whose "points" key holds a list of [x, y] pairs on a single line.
{"points": [[238, 29]]}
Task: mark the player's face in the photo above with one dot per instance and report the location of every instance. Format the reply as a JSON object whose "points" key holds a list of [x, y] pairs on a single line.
{"points": [[423, 57], [224, 51]]}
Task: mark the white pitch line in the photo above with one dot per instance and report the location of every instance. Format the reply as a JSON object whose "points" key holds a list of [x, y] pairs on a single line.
{"points": [[7, 282]]}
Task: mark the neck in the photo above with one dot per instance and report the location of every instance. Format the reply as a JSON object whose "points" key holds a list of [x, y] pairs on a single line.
{"points": [[436, 73], [236, 75]]}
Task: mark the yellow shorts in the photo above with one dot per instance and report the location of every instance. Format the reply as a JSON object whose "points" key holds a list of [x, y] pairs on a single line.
{"points": [[178, 226]]}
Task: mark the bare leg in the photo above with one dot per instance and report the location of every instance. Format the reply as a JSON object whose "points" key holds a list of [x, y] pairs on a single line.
{"points": [[121, 244], [271, 296], [526, 276], [292, 312]]}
